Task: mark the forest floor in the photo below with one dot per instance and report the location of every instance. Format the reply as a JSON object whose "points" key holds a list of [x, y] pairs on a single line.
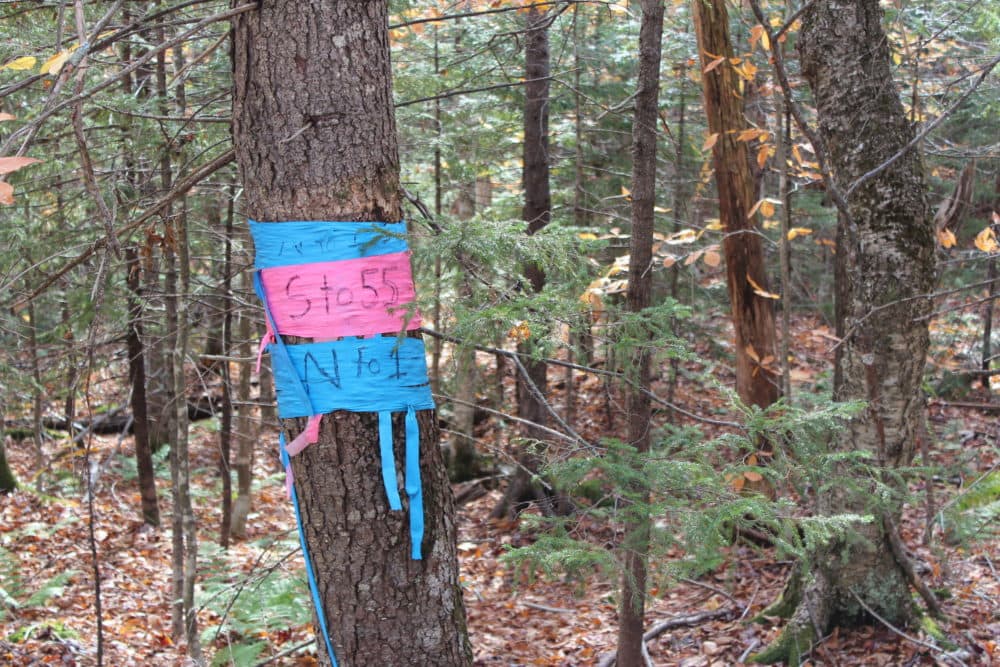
{"points": [[47, 611]]}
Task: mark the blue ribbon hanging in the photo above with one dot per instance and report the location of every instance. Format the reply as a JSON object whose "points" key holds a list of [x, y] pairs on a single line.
{"points": [[310, 574]]}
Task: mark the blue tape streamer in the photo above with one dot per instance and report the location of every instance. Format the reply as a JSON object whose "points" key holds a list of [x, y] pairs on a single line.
{"points": [[356, 374], [414, 489], [285, 243], [388, 462], [313, 586]]}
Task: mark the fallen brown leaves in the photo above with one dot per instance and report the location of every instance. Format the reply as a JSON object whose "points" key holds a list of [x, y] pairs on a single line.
{"points": [[514, 619]]}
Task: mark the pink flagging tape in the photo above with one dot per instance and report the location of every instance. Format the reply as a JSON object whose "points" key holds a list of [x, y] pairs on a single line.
{"points": [[355, 297], [309, 436]]}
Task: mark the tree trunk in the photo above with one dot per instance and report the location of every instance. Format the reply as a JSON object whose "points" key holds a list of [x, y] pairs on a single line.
{"points": [[753, 315], [532, 390], [137, 378], [315, 139], [244, 430], [8, 482], [631, 613], [177, 282], [888, 264], [225, 344]]}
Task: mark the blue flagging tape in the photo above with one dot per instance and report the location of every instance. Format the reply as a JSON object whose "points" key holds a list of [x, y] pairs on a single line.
{"points": [[285, 243], [313, 587], [388, 462], [414, 489]]}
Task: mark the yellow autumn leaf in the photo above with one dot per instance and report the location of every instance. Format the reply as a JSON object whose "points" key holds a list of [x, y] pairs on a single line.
{"points": [[626, 192], [520, 332], [986, 240], [660, 209], [798, 231], [682, 237], [56, 62], [760, 291], [587, 236], [767, 208], [710, 141], [22, 63], [756, 33], [713, 224], [946, 238]]}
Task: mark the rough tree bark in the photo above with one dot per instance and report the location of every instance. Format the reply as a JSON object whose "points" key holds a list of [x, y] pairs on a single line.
{"points": [[631, 613], [315, 139], [753, 315], [888, 263], [537, 213]]}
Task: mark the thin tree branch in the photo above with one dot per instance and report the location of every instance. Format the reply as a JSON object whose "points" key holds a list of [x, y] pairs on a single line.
{"points": [[179, 189], [930, 127], [817, 143]]}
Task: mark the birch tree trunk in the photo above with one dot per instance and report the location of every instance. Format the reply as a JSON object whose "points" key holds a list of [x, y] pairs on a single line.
{"points": [[887, 264], [315, 139]]}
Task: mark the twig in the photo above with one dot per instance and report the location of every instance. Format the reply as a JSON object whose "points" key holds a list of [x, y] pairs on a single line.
{"points": [[542, 607], [585, 369], [899, 552], [930, 127], [466, 91], [786, 90], [179, 189], [678, 622], [708, 587], [286, 652], [914, 640]]}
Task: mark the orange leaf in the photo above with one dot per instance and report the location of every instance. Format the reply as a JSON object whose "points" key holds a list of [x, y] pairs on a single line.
{"points": [[6, 116], [986, 240], [710, 141], [11, 164], [752, 353], [712, 65], [6, 193], [748, 135], [752, 476], [946, 238], [760, 291], [712, 258], [693, 257]]}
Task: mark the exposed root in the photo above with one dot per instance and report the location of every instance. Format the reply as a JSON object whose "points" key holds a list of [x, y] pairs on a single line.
{"points": [[796, 639], [786, 603]]}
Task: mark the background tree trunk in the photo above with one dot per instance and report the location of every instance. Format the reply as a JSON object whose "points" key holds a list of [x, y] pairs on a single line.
{"points": [[753, 315], [631, 613], [537, 213], [888, 263], [315, 139], [137, 379]]}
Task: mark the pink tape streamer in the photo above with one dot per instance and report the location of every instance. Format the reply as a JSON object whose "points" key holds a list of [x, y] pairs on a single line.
{"points": [[355, 297], [267, 339], [306, 438]]}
